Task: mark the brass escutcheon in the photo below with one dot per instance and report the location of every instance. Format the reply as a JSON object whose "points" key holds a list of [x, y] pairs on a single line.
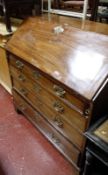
{"points": [[58, 107], [58, 121], [19, 64], [21, 77]]}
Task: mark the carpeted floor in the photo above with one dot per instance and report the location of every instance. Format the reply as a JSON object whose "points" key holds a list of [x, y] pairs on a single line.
{"points": [[23, 150]]}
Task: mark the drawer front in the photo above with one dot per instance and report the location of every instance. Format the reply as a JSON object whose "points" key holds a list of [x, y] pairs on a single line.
{"points": [[52, 116], [59, 122], [35, 101], [66, 148], [51, 86], [37, 90]]}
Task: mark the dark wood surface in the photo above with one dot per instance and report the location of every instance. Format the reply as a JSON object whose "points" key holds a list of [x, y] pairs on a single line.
{"points": [[34, 90], [63, 145], [95, 138], [96, 4], [60, 78], [97, 148], [76, 58]]}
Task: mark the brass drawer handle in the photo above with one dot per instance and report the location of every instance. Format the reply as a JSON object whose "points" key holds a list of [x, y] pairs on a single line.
{"points": [[21, 78], [24, 92], [59, 91], [19, 64], [54, 138], [58, 121], [37, 88], [36, 75], [57, 106]]}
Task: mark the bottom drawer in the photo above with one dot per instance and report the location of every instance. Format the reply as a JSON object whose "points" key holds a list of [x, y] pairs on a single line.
{"points": [[65, 147]]}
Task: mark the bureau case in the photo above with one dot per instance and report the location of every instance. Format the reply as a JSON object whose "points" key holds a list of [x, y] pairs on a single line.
{"points": [[59, 82]]}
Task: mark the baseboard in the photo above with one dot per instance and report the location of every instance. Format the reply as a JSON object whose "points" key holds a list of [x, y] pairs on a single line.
{"points": [[6, 87]]}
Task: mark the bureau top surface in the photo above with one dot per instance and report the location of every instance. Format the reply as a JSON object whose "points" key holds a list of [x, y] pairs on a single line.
{"points": [[76, 58]]}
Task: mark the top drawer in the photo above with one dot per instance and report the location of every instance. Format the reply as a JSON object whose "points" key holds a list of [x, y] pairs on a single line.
{"points": [[50, 85]]}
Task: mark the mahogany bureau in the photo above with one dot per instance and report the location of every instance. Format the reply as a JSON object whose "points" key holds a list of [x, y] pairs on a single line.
{"points": [[60, 81]]}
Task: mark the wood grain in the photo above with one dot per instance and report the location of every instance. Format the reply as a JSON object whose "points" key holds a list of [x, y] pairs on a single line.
{"points": [[44, 66], [76, 58], [55, 138]]}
